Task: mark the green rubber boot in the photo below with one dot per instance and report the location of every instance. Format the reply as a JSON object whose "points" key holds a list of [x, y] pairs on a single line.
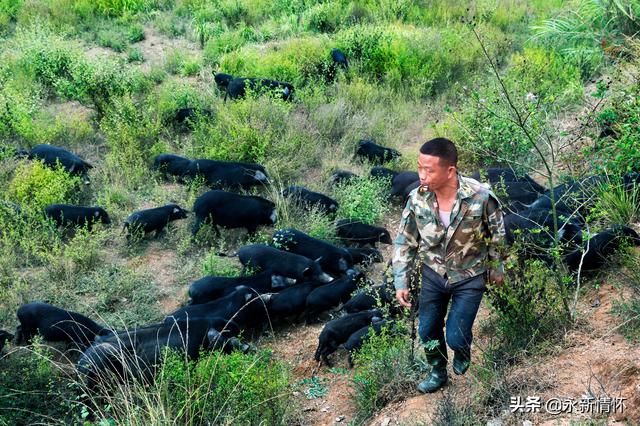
{"points": [[438, 375], [461, 361]]}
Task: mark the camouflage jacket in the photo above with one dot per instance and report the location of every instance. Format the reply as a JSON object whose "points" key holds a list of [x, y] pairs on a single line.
{"points": [[467, 248]]}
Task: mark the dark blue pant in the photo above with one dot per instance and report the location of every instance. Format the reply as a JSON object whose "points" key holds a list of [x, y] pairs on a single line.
{"points": [[435, 294]]}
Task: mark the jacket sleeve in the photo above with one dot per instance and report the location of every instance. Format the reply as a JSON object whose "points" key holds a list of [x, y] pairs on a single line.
{"points": [[405, 247], [495, 223]]}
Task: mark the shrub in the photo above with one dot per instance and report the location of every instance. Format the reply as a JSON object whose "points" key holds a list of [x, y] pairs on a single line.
{"points": [[588, 32], [35, 185], [61, 68], [135, 55], [545, 73], [615, 204], [219, 266], [247, 130], [135, 33], [629, 313], [529, 308], [8, 12], [383, 373], [122, 296], [217, 388], [620, 153], [17, 110], [112, 38], [324, 17], [363, 199], [130, 135], [487, 132], [627, 306], [33, 389], [220, 42], [123, 7], [297, 60], [422, 61]]}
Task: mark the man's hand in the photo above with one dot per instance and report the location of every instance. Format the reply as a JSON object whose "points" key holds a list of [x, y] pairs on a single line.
{"points": [[403, 298], [495, 279]]}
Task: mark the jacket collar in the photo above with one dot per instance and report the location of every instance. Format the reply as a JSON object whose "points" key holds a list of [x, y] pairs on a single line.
{"points": [[467, 187]]}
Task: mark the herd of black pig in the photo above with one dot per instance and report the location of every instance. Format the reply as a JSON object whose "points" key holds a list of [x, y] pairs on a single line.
{"points": [[296, 276]]}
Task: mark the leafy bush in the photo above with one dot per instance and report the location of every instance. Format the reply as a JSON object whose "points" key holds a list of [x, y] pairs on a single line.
{"points": [[529, 308], [60, 67], [248, 130], [422, 60], [297, 60], [487, 132], [17, 110], [588, 31], [113, 39], [8, 12], [220, 42], [123, 7], [33, 389], [217, 388], [615, 204], [363, 199], [324, 17], [135, 33], [130, 135], [35, 185], [219, 266], [546, 74], [122, 296], [383, 373], [620, 153]]}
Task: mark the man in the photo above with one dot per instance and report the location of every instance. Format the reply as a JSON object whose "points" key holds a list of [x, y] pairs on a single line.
{"points": [[453, 225]]}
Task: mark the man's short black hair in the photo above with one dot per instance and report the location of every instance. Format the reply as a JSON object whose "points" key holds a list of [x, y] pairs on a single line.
{"points": [[442, 148]]}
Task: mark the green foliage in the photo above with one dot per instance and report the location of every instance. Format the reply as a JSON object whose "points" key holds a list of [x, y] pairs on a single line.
{"points": [[8, 12], [61, 68], [588, 31], [620, 153], [135, 55], [18, 107], [296, 60], [615, 204], [363, 199], [122, 296], [247, 130], [113, 39], [627, 306], [135, 33], [452, 411], [629, 313], [529, 308], [218, 42], [313, 387], [219, 266], [123, 7], [241, 389], [383, 373], [35, 185], [422, 60], [324, 17], [33, 390], [130, 135], [546, 74]]}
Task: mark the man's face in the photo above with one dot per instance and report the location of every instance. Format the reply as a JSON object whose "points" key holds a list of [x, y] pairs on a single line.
{"points": [[433, 173]]}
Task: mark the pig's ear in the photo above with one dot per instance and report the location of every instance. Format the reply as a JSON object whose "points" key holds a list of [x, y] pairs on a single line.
{"points": [[176, 210]]}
